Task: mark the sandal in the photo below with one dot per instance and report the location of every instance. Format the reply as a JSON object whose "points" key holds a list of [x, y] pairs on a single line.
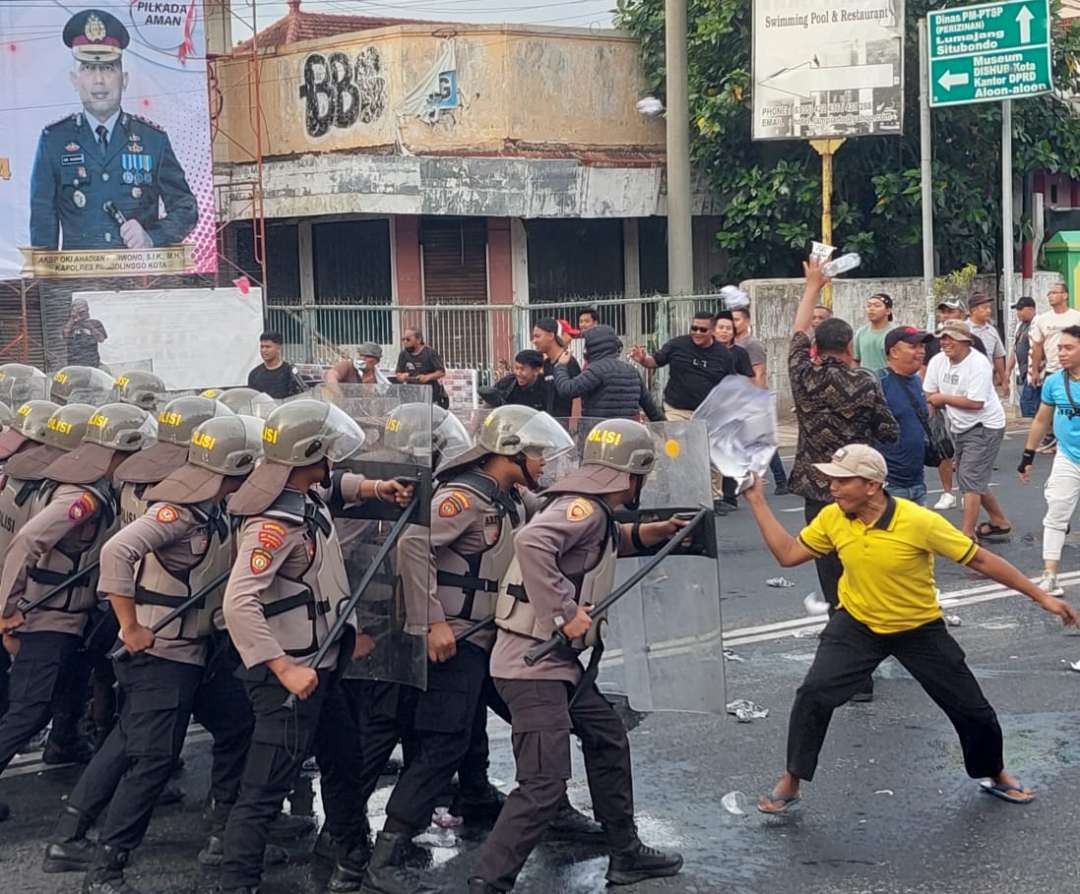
{"points": [[987, 531], [1007, 791], [787, 804]]}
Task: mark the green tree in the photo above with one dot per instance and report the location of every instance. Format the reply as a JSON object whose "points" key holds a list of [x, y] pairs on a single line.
{"points": [[770, 191]]}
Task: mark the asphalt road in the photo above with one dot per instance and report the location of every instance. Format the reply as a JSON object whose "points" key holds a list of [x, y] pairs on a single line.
{"points": [[891, 809]]}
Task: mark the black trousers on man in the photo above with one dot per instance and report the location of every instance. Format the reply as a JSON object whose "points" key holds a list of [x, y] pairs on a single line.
{"points": [[829, 568], [219, 703], [444, 725], [39, 680], [849, 651], [543, 719], [281, 741]]}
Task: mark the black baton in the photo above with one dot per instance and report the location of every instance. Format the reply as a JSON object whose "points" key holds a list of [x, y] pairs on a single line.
{"points": [[473, 628], [121, 651], [354, 600], [536, 653]]}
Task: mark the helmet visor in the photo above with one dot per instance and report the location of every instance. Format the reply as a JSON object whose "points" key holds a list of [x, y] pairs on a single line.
{"points": [[450, 437], [342, 436], [543, 436]]}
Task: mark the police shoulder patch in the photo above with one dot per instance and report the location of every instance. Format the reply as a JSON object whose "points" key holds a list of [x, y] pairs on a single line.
{"points": [[147, 122], [272, 535], [260, 560], [167, 514], [579, 510], [454, 503], [85, 505]]}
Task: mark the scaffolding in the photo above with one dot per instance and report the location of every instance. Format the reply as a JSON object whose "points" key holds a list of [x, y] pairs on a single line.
{"points": [[24, 323]]}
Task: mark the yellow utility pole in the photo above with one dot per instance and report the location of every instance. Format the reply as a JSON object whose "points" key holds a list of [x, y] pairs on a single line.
{"points": [[826, 149]]}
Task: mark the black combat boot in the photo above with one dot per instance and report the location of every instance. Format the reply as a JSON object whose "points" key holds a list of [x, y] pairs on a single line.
{"points": [[5, 811], [634, 862], [69, 851], [478, 886], [107, 874], [213, 854], [290, 827], [570, 824], [478, 805], [350, 868], [66, 744], [386, 872]]}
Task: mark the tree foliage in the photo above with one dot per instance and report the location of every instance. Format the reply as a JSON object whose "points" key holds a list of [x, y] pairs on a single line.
{"points": [[770, 192]]}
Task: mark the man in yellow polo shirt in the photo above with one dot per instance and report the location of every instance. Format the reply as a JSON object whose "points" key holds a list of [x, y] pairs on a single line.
{"points": [[888, 606]]}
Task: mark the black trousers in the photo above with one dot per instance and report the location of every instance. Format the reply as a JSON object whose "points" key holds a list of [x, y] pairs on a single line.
{"points": [[339, 751], [543, 719], [219, 703], [5, 666], [40, 677], [473, 772], [829, 568], [445, 727], [849, 651], [280, 742]]}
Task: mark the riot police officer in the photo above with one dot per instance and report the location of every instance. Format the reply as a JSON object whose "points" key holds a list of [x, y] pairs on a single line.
{"points": [[139, 388], [83, 384], [177, 550], [74, 514], [564, 560], [475, 512], [282, 597]]}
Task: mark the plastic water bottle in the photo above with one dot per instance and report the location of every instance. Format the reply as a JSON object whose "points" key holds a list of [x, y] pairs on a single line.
{"points": [[842, 264]]}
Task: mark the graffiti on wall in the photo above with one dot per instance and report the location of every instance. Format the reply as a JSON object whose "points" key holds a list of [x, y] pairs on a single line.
{"points": [[340, 92]]}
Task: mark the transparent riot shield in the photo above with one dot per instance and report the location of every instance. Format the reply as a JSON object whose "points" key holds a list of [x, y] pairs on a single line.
{"points": [[664, 638], [397, 446]]}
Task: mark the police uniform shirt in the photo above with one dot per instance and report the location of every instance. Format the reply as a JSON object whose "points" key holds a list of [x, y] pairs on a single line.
{"points": [[566, 538], [138, 171], [268, 547], [66, 523], [180, 542], [460, 520]]}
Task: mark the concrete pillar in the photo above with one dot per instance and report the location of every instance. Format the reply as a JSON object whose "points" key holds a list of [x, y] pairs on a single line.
{"points": [[501, 288], [408, 271], [307, 288]]}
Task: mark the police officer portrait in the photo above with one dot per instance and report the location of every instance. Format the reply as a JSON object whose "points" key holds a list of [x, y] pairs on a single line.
{"points": [[103, 177]]}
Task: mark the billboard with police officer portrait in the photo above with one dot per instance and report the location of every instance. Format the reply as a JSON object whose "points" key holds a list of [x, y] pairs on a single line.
{"points": [[105, 153]]}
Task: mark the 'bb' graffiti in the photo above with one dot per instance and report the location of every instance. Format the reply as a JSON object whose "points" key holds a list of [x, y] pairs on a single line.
{"points": [[339, 93]]}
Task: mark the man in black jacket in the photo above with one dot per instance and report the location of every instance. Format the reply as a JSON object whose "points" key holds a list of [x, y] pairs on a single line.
{"points": [[525, 386], [609, 388]]}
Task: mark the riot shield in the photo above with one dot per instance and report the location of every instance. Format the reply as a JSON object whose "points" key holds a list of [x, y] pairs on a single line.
{"points": [[398, 624], [664, 638]]}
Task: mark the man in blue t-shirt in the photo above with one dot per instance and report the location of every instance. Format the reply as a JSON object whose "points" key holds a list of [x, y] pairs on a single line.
{"points": [[1061, 407], [905, 353]]}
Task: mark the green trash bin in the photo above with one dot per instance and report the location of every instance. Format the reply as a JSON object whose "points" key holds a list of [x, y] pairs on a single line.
{"points": [[1062, 254]]}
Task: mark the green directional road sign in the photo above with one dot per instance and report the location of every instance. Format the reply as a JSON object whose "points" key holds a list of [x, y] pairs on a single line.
{"points": [[989, 52]]}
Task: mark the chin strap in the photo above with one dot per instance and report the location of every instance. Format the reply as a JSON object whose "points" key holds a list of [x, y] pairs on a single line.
{"points": [[522, 463]]}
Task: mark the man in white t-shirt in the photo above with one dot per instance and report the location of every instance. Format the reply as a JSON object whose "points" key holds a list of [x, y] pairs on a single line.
{"points": [[960, 382], [1045, 331]]}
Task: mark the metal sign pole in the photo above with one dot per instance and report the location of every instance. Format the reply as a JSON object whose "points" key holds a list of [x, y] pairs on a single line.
{"points": [[1007, 204], [925, 165]]}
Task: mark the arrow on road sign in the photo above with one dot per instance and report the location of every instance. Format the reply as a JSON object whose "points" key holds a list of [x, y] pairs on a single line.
{"points": [[804, 79], [1023, 19], [953, 79]]}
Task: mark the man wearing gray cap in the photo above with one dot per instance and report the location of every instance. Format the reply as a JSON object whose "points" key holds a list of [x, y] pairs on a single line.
{"points": [[888, 606], [367, 372]]}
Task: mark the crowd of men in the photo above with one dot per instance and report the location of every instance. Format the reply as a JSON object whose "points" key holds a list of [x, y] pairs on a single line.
{"points": [[168, 557]]}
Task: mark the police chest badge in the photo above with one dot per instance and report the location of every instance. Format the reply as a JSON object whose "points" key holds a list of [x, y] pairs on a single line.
{"points": [[260, 561], [579, 510], [492, 526]]}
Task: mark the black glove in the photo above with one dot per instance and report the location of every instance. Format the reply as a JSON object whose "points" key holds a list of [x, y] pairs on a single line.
{"points": [[1026, 461]]}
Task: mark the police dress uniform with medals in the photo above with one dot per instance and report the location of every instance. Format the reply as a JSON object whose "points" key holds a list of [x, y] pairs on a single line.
{"points": [[83, 163], [174, 551], [286, 585], [75, 514], [564, 557]]}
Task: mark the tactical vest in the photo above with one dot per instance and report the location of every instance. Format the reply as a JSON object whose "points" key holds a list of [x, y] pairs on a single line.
{"points": [[468, 583], [17, 499], [515, 613], [57, 565], [301, 610], [158, 591], [132, 504]]}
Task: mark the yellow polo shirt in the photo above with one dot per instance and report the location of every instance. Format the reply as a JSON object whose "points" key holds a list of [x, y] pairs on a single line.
{"points": [[888, 580]]}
